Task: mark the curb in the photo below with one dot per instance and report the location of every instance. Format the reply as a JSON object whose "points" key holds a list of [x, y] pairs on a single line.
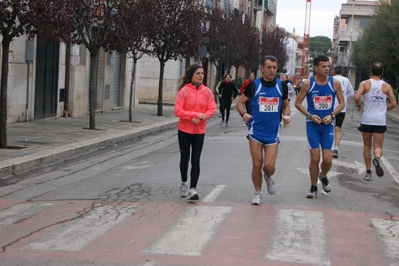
{"points": [[51, 155], [393, 117]]}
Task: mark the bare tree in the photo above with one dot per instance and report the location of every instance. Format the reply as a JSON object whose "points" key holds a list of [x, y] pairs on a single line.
{"points": [[88, 22], [130, 37], [273, 43], [14, 21], [176, 31], [219, 34]]}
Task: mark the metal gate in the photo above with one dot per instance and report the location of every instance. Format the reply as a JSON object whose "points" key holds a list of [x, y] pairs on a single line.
{"points": [[46, 86]]}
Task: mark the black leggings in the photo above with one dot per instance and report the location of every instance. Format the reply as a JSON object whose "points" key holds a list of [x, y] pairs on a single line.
{"points": [[225, 104], [196, 142]]}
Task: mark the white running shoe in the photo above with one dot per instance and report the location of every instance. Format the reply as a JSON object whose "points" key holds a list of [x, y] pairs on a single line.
{"points": [[257, 200], [271, 185], [192, 194], [367, 177], [221, 123], [183, 190]]}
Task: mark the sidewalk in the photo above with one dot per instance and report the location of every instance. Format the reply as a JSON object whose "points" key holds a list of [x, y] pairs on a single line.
{"points": [[48, 140]]}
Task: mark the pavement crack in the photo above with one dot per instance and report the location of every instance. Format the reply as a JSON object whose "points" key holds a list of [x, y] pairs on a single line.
{"points": [[4, 248]]}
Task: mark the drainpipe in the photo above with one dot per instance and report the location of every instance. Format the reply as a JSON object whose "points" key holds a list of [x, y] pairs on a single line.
{"points": [[67, 71], [27, 93]]}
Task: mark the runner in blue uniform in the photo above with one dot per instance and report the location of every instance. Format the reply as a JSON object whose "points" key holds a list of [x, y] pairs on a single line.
{"points": [[320, 92], [268, 96]]}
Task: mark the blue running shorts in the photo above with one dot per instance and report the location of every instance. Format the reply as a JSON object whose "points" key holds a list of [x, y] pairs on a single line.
{"points": [[266, 140], [320, 135]]}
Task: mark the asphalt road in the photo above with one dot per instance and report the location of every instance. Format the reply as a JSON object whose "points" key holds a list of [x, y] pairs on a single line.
{"points": [[120, 206]]}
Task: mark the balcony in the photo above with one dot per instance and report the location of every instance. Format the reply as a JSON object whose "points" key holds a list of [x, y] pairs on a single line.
{"points": [[270, 6]]}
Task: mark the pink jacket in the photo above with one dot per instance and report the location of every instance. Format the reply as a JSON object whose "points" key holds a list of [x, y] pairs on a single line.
{"points": [[190, 103]]}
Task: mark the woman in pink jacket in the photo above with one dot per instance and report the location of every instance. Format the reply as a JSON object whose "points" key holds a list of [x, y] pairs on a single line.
{"points": [[194, 105]]}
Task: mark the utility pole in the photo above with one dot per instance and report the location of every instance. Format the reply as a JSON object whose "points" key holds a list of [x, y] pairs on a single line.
{"points": [[306, 41], [350, 42]]}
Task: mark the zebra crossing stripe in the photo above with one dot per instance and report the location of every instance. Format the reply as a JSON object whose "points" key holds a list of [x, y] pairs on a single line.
{"points": [[77, 234], [388, 231], [214, 193], [299, 237], [191, 232], [20, 212]]}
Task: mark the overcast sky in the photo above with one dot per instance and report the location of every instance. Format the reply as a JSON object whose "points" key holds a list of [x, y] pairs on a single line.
{"points": [[291, 14]]}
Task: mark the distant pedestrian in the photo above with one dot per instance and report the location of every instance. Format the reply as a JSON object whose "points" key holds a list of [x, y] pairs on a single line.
{"points": [[242, 90], [348, 92], [227, 93], [217, 91], [194, 105], [268, 96], [320, 91], [291, 90], [373, 124]]}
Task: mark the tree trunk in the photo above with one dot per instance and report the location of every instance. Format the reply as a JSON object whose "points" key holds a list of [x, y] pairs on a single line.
{"points": [[132, 90], [93, 88], [3, 93], [160, 88]]}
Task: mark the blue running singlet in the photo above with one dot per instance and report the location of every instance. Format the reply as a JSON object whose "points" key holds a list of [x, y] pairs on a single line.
{"points": [[266, 103]]}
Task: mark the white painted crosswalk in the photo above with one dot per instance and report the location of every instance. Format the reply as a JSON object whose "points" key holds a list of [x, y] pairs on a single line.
{"points": [[299, 236], [294, 235]]}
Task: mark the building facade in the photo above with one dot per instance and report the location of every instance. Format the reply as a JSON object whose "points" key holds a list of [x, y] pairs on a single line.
{"points": [[353, 18], [50, 79]]}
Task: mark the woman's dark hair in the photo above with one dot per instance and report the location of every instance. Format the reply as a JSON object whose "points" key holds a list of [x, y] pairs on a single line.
{"points": [[188, 74]]}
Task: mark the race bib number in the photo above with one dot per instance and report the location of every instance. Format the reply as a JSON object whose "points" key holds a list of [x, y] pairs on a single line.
{"points": [[322, 102], [268, 104]]}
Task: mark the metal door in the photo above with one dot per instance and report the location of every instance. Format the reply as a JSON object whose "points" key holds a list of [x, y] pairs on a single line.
{"points": [[46, 86]]}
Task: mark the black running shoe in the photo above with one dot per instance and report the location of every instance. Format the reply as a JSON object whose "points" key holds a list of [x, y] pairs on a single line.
{"points": [[335, 154], [378, 169], [325, 183], [312, 193]]}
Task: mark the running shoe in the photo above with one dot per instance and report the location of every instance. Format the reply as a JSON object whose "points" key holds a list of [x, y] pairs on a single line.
{"points": [[378, 169], [257, 200], [325, 183], [183, 190], [227, 124], [367, 177], [312, 193], [335, 154], [271, 185], [192, 194], [221, 123]]}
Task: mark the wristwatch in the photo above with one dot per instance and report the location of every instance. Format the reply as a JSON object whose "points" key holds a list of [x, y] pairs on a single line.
{"points": [[332, 116]]}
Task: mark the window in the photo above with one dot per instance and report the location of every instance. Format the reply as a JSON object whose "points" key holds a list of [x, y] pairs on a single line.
{"points": [[363, 23]]}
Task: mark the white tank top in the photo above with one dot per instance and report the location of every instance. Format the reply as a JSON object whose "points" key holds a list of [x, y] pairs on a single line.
{"points": [[375, 105]]}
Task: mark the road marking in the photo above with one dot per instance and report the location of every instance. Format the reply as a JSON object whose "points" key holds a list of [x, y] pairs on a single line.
{"points": [[390, 168], [20, 212], [191, 231], [299, 237], [214, 193], [357, 166], [79, 233], [329, 175], [388, 231]]}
